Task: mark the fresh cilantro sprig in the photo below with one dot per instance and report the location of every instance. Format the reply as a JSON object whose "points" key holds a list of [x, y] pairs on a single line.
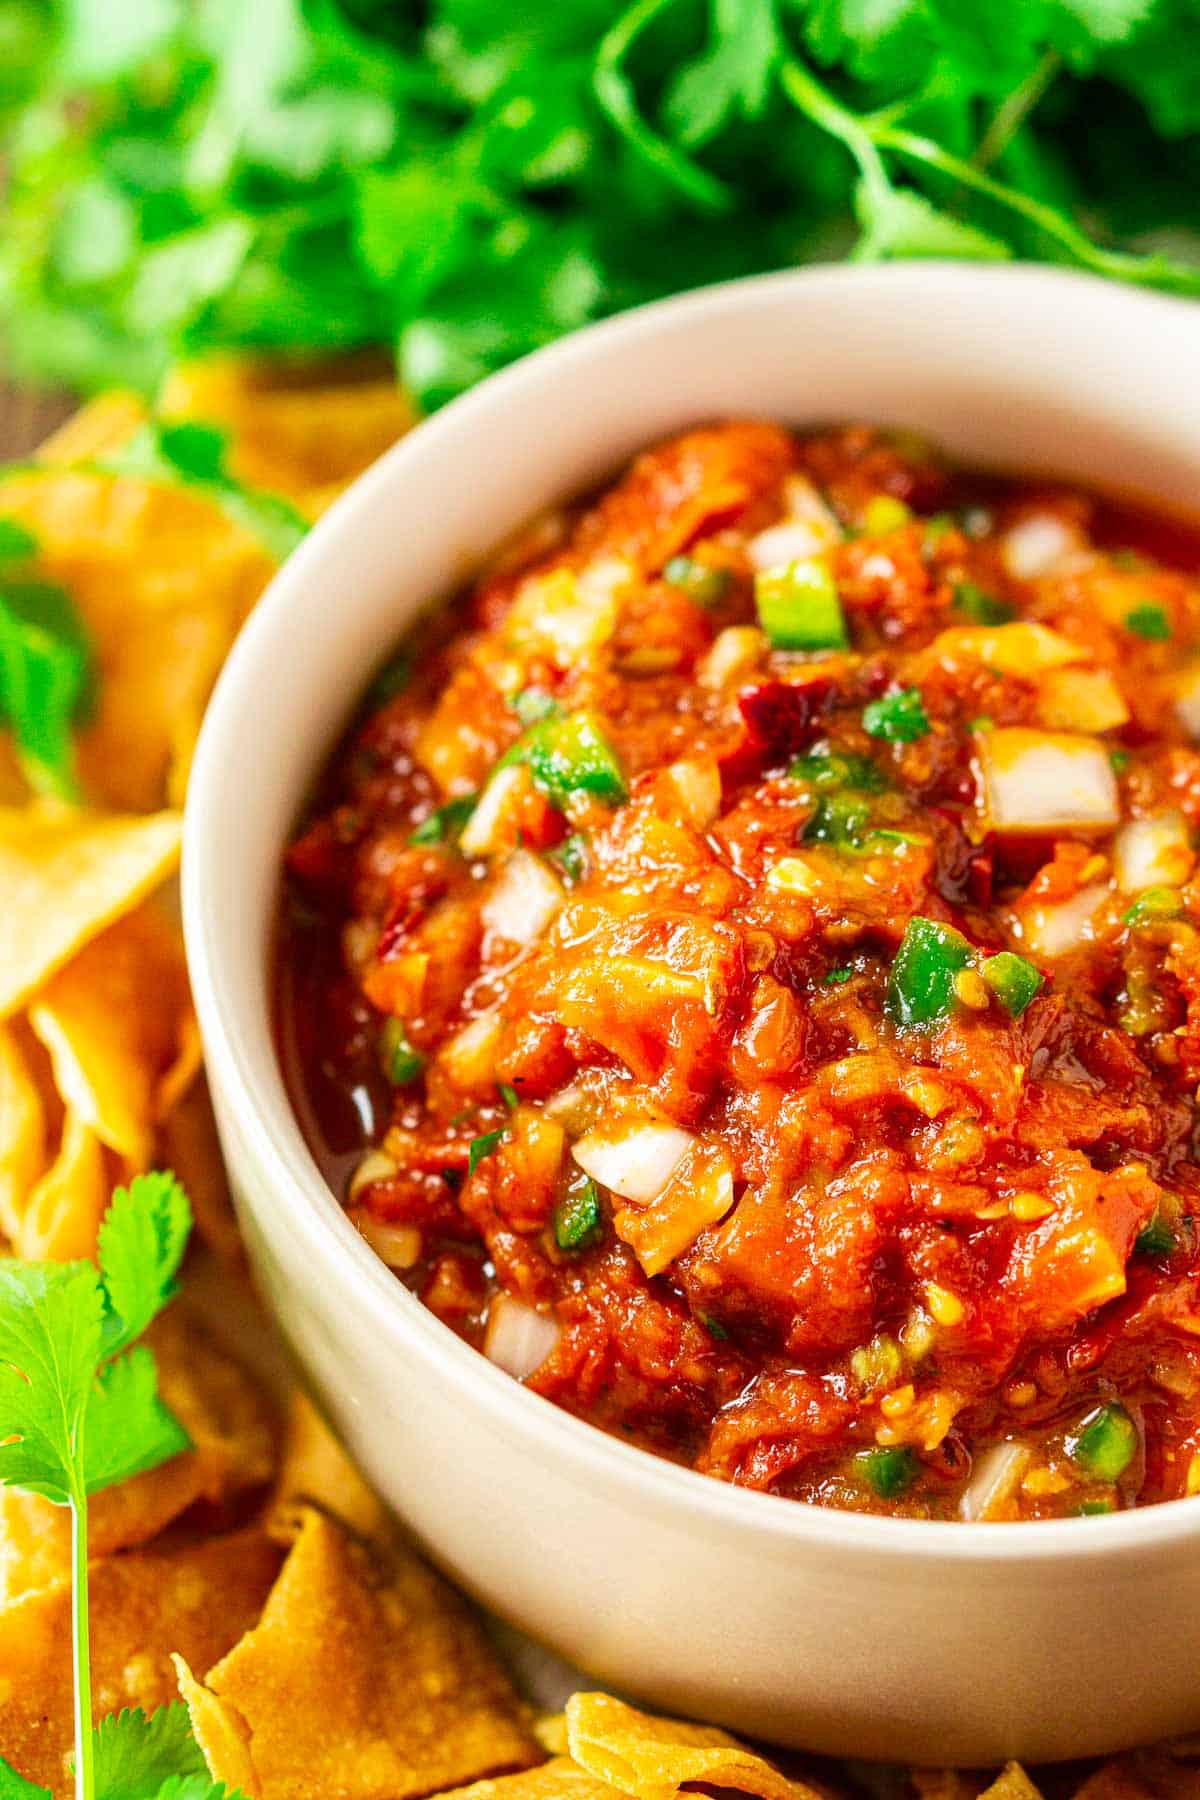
{"points": [[80, 1410], [465, 180], [45, 666]]}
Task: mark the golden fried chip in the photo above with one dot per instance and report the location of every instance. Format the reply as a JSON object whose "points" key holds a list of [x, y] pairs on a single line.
{"points": [[303, 429], [189, 1145], [550, 1730], [1012, 1783], [559, 1779], [654, 1758], [232, 1428], [196, 1599], [62, 1211], [405, 1696], [221, 1733], [315, 1471], [946, 1784], [65, 876], [104, 423], [118, 1024], [22, 1133], [162, 579]]}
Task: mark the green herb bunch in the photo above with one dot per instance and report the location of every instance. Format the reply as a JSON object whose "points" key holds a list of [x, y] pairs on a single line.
{"points": [[462, 180], [79, 1412]]}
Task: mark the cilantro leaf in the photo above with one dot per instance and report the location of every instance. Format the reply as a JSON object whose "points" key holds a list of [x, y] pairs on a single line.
{"points": [[136, 1754], [193, 455], [733, 76], [482, 1147], [141, 1243], [899, 222], [15, 1787], [51, 1318], [127, 1427]]}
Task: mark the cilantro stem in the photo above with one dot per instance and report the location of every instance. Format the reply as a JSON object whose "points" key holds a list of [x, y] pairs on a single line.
{"points": [[817, 103], [1153, 271], [85, 1778], [614, 91], [1014, 109]]}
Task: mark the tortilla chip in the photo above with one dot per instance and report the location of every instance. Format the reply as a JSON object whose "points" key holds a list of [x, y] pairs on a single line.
{"points": [[1012, 1783], [118, 1024], [405, 1696], [550, 1730], [65, 876], [196, 1599], [654, 1758], [63, 1210], [22, 1132], [303, 430], [161, 578], [188, 1143], [221, 1733], [316, 1471], [946, 1784], [100, 426], [559, 1779], [232, 1429]]}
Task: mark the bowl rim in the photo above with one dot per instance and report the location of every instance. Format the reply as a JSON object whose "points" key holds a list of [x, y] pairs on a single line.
{"points": [[255, 1095]]}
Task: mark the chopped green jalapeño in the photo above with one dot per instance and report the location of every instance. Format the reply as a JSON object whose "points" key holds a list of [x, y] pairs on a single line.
{"points": [[446, 822], [577, 1218], [1105, 1444], [1150, 623], [699, 581], [798, 606], [982, 608], [1013, 980], [401, 1063], [920, 989], [568, 754], [888, 1472]]}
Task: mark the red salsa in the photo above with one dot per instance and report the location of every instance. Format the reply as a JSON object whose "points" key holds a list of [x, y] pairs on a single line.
{"points": [[741, 971]]}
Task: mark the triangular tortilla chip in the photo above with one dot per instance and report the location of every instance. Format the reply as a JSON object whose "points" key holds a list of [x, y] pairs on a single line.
{"points": [[302, 430], [189, 1145], [559, 1779], [196, 1599], [405, 1696], [22, 1133], [63, 1210], [315, 1471], [232, 1428], [161, 578], [221, 1733], [117, 1020], [654, 1758], [65, 876]]}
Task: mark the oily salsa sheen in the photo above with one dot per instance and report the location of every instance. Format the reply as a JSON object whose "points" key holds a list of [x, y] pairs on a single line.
{"points": [[741, 971]]}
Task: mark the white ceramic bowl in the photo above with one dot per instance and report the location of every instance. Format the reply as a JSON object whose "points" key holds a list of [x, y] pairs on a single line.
{"points": [[863, 1636]]}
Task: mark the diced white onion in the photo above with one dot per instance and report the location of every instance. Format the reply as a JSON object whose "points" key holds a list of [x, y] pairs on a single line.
{"points": [[1080, 700], [398, 1246], [697, 782], [792, 541], [518, 1338], [1053, 930], [523, 900], [1154, 852], [481, 833], [1187, 700], [375, 1166], [994, 1480], [733, 653], [634, 1161], [1046, 781], [1039, 545]]}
